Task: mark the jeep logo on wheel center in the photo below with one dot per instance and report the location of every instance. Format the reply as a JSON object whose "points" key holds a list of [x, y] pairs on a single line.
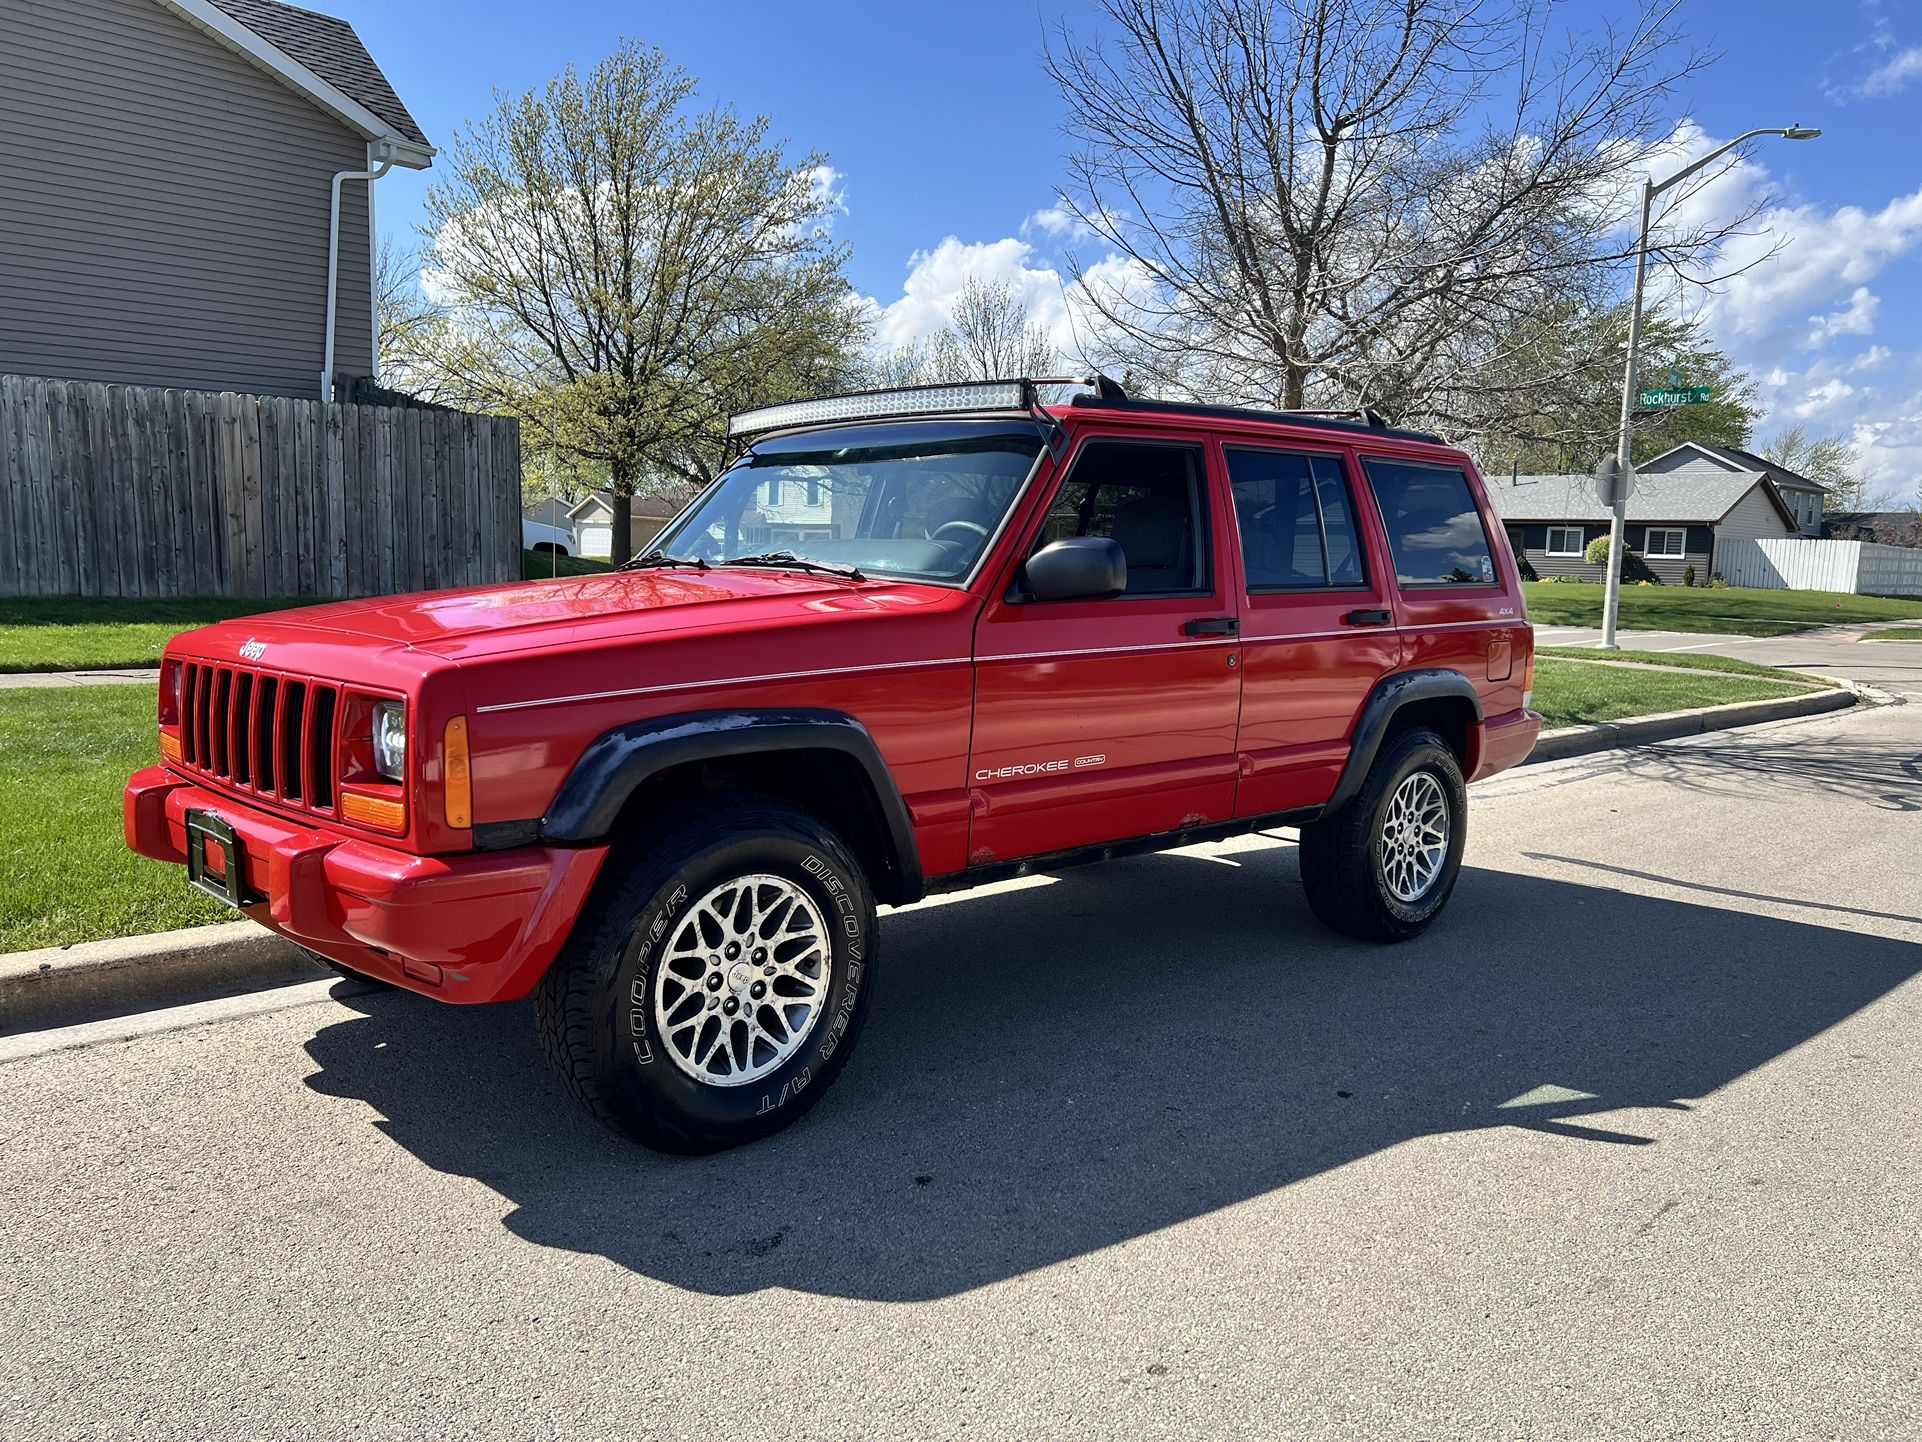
{"points": [[667, 801]]}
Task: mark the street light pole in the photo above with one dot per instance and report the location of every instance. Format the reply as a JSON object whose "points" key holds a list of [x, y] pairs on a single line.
{"points": [[1618, 520]]}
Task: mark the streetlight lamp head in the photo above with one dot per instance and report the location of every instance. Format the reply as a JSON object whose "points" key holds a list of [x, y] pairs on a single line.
{"points": [[1801, 132]]}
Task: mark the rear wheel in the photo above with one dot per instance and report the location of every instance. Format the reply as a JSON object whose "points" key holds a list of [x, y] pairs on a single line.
{"points": [[1383, 867], [713, 988]]}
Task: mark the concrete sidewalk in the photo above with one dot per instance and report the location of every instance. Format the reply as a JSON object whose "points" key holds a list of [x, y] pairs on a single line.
{"points": [[117, 676]]}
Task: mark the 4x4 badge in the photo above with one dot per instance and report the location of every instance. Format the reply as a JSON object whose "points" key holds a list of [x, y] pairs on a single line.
{"points": [[253, 650]]}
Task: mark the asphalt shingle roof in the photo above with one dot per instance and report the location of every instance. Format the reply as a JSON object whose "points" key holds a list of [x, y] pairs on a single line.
{"points": [[330, 48], [1671, 496], [1749, 461]]}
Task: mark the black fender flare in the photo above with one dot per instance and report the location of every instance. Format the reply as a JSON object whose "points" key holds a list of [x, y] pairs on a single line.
{"points": [[618, 762], [1391, 694]]}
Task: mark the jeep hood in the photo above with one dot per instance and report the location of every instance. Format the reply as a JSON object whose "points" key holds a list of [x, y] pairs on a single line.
{"points": [[489, 619]]}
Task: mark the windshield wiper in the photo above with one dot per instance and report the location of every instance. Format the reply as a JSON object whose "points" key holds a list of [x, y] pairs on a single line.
{"points": [[787, 560], [661, 558]]}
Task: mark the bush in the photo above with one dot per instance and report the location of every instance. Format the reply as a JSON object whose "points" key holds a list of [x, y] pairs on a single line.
{"points": [[1527, 570], [1718, 583], [1596, 552], [1688, 574]]}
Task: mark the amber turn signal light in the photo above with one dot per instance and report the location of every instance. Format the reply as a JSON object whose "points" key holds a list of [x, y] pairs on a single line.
{"points": [[170, 745], [373, 811], [457, 780]]}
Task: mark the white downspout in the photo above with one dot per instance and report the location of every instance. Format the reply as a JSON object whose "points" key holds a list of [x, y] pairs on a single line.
{"points": [[383, 152]]}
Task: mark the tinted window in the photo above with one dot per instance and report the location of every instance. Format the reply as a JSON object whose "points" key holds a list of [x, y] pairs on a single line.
{"points": [[1297, 521], [1148, 498], [1434, 530]]}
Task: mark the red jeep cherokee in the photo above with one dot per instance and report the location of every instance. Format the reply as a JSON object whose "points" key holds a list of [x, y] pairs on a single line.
{"points": [[909, 641]]}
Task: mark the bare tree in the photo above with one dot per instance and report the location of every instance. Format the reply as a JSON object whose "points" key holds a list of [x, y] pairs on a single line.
{"points": [[624, 269], [990, 337], [1393, 203], [411, 325], [1828, 459]]}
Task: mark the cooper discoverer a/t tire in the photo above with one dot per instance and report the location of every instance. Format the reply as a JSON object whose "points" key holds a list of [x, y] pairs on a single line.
{"points": [[714, 985], [1383, 867]]}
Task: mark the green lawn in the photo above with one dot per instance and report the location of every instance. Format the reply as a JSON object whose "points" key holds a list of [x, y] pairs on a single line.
{"points": [[1574, 693], [65, 872], [1729, 611], [84, 633], [1682, 660], [539, 565], [1897, 633]]}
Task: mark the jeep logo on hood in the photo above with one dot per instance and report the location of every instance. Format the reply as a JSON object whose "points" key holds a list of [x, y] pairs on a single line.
{"points": [[253, 650]]}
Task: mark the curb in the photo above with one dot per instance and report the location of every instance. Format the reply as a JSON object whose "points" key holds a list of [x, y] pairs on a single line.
{"points": [[1640, 730], [62, 985]]}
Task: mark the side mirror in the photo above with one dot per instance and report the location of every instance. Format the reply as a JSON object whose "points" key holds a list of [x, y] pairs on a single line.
{"points": [[1078, 568]]}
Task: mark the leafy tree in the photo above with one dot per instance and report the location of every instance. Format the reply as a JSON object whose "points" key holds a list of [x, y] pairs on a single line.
{"points": [[1577, 408], [621, 269], [1392, 203], [1828, 459]]}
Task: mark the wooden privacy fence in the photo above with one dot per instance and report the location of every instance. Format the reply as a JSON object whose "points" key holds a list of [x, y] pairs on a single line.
{"points": [[133, 491], [1792, 564]]}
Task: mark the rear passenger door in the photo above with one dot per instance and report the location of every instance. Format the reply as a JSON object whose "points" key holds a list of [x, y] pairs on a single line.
{"points": [[1104, 719], [1318, 626], [1455, 605]]}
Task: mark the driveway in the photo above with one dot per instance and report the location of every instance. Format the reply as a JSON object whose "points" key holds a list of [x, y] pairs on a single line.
{"points": [[1630, 1145]]}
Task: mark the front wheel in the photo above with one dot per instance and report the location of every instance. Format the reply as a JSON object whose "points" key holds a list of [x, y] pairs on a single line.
{"points": [[713, 988], [1382, 867]]}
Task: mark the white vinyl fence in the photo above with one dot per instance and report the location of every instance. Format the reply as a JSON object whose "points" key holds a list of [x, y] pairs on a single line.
{"points": [[1792, 564]]}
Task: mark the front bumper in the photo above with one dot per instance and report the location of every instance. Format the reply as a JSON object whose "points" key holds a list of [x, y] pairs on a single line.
{"points": [[472, 928]]}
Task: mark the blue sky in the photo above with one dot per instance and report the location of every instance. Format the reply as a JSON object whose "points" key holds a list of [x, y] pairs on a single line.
{"points": [[945, 135]]}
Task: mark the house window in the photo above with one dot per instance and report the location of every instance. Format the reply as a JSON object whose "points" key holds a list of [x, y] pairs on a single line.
{"points": [[1666, 543], [1564, 540]]}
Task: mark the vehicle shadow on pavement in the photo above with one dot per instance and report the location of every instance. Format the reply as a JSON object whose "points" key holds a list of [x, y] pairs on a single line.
{"points": [[1059, 1068]]}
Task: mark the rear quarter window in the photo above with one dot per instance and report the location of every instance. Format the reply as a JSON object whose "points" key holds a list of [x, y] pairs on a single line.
{"points": [[1435, 530]]}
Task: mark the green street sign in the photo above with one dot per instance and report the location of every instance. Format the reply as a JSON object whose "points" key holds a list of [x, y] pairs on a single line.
{"points": [[1682, 396]]}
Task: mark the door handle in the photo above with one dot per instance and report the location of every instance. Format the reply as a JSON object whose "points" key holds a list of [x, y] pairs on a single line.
{"points": [[1369, 618], [1212, 626]]}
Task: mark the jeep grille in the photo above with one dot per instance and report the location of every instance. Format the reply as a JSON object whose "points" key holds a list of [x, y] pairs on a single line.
{"points": [[264, 732]]}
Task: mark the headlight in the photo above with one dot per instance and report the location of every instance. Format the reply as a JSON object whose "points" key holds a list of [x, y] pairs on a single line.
{"points": [[390, 739]]}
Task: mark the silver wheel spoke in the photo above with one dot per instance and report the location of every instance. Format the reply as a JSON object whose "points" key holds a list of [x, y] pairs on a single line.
{"points": [[742, 980], [1414, 837]]}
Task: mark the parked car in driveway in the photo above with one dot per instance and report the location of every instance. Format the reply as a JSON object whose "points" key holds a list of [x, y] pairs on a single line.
{"points": [[537, 537], [992, 637]]}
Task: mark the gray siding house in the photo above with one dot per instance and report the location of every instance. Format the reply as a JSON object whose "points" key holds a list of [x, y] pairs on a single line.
{"points": [[1803, 497], [1676, 519], [167, 177]]}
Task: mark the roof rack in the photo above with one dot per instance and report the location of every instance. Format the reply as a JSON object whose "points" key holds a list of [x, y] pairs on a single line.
{"points": [[1023, 394], [1363, 419]]}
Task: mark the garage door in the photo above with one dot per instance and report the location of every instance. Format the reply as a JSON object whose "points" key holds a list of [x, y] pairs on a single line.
{"points": [[597, 541]]}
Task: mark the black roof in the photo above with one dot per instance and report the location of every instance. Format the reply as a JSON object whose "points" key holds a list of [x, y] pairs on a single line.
{"points": [[329, 47]]}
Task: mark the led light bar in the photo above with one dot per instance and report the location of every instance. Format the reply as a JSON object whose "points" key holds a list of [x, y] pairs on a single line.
{"points": [[906, 401]]}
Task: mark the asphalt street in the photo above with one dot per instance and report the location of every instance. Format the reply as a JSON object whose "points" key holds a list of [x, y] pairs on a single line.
{"points": [[1629, 1146]]}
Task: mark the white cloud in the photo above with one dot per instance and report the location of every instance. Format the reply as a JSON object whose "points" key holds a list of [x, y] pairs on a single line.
{"points": [[1891, 76], [1057, 222], [1857, 319], [1870, 359], [1825, 397]]}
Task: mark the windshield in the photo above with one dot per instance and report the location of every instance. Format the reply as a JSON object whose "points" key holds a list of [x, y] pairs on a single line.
{"points": [[918, 500]]}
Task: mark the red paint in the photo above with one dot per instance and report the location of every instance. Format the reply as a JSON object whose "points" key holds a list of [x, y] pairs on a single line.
{"points": [[1011, 729]]}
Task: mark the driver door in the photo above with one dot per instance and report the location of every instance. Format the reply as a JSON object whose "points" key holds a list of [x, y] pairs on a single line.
{"points": [[1103, 719]]}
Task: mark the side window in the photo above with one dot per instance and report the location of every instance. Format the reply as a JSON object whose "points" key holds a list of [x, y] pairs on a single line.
{"points": [[1434, 529], [1149, 498], [1297, 521]]}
